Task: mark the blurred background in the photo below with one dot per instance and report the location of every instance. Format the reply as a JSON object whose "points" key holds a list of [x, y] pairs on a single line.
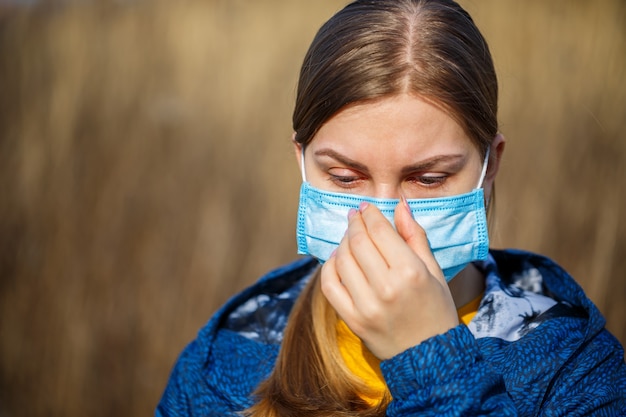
{"points": [[146, 173]]}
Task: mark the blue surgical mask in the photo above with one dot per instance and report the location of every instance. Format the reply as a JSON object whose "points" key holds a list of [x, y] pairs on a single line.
{"points": [[456, 226]]}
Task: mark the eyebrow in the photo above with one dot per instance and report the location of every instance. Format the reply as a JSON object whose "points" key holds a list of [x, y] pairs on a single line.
{"points": [[456, 160], [342, 159], [425, 165]]}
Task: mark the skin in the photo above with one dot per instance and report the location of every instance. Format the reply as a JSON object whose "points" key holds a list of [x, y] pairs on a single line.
{"points": [[383, 282]]}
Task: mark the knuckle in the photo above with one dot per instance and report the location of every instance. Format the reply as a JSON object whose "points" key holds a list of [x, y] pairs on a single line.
{"points": [[418, 233], [356, 326], [411, 274], [358, 239], [326, 285], [379, 227], [405, 272], [371, 315], [388, 293], [341, 263]]}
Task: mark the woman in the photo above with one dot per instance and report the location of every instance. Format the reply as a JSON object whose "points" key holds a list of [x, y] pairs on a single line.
{"points": [[410, 314]]}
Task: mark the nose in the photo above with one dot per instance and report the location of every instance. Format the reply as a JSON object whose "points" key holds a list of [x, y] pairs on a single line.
{"points": [[388, 191]]}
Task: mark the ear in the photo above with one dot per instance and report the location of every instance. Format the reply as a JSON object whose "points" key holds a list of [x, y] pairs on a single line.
{"points": [[298, 151], [495, 156]]}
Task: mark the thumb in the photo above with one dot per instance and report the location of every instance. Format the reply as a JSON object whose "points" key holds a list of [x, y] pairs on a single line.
{"points": [[415, 236]]}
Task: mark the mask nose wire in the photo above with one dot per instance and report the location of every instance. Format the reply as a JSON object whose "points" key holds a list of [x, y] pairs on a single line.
{"points": [[302, 171], [482, 174]]}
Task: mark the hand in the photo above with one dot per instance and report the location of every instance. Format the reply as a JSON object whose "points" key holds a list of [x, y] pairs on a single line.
{"points": [[386, 284]]}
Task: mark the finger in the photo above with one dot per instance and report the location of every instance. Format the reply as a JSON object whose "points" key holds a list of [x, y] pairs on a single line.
{"points": [[389, 243], [363, 249], [351, 275], [415, 236], [334, 291]]}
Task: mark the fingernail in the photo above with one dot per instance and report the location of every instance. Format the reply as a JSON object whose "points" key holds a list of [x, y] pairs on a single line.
{"points": [[405, 203], [351, 213], [332, 254], [363, 206]]}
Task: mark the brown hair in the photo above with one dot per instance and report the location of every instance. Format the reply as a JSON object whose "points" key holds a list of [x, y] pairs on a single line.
{"points": [[373, 49], [310, 377], [369, 50]]}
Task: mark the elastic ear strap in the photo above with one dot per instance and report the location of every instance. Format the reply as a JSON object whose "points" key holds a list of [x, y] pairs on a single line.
{"points": [[484, 171], [302, 171]]}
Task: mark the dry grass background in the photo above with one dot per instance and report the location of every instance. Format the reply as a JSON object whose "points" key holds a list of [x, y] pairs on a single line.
{"points": [[146, 174]]}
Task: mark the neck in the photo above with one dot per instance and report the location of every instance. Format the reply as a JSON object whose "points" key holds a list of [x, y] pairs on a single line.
{"points": [[467, 285]]}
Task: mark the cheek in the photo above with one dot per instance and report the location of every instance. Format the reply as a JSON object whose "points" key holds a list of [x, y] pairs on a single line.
{"points": [[311, 173]]}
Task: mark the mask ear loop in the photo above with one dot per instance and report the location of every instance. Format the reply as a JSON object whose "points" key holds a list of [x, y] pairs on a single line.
{"points": [[483, 172], [302, 171]]}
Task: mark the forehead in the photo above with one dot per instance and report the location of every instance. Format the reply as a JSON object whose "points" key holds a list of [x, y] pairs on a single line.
{"points": [[393, 128]]}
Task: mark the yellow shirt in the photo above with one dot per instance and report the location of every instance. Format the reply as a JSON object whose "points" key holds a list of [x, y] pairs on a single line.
{"points": [[366, 366]]}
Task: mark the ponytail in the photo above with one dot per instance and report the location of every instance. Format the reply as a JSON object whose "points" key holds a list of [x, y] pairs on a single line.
{"points": [[310, 377]]}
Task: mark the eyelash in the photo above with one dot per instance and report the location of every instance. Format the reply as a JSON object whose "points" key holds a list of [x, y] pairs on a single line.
{"points": [[349, 182], [429, 181], [344, 181]]}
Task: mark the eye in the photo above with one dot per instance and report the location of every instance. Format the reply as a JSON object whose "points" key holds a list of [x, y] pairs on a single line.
{"points": [[430, 180], [345, 181], [344, 178]]}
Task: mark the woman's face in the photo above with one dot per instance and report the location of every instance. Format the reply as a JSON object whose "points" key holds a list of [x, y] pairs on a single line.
{"points": [[400, 145]]}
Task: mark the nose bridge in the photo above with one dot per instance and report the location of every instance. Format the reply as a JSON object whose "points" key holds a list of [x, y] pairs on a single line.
{"points": [[388, 190]]}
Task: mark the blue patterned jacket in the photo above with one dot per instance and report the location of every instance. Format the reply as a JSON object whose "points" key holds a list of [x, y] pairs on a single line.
{"points": [[536, 347]]}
